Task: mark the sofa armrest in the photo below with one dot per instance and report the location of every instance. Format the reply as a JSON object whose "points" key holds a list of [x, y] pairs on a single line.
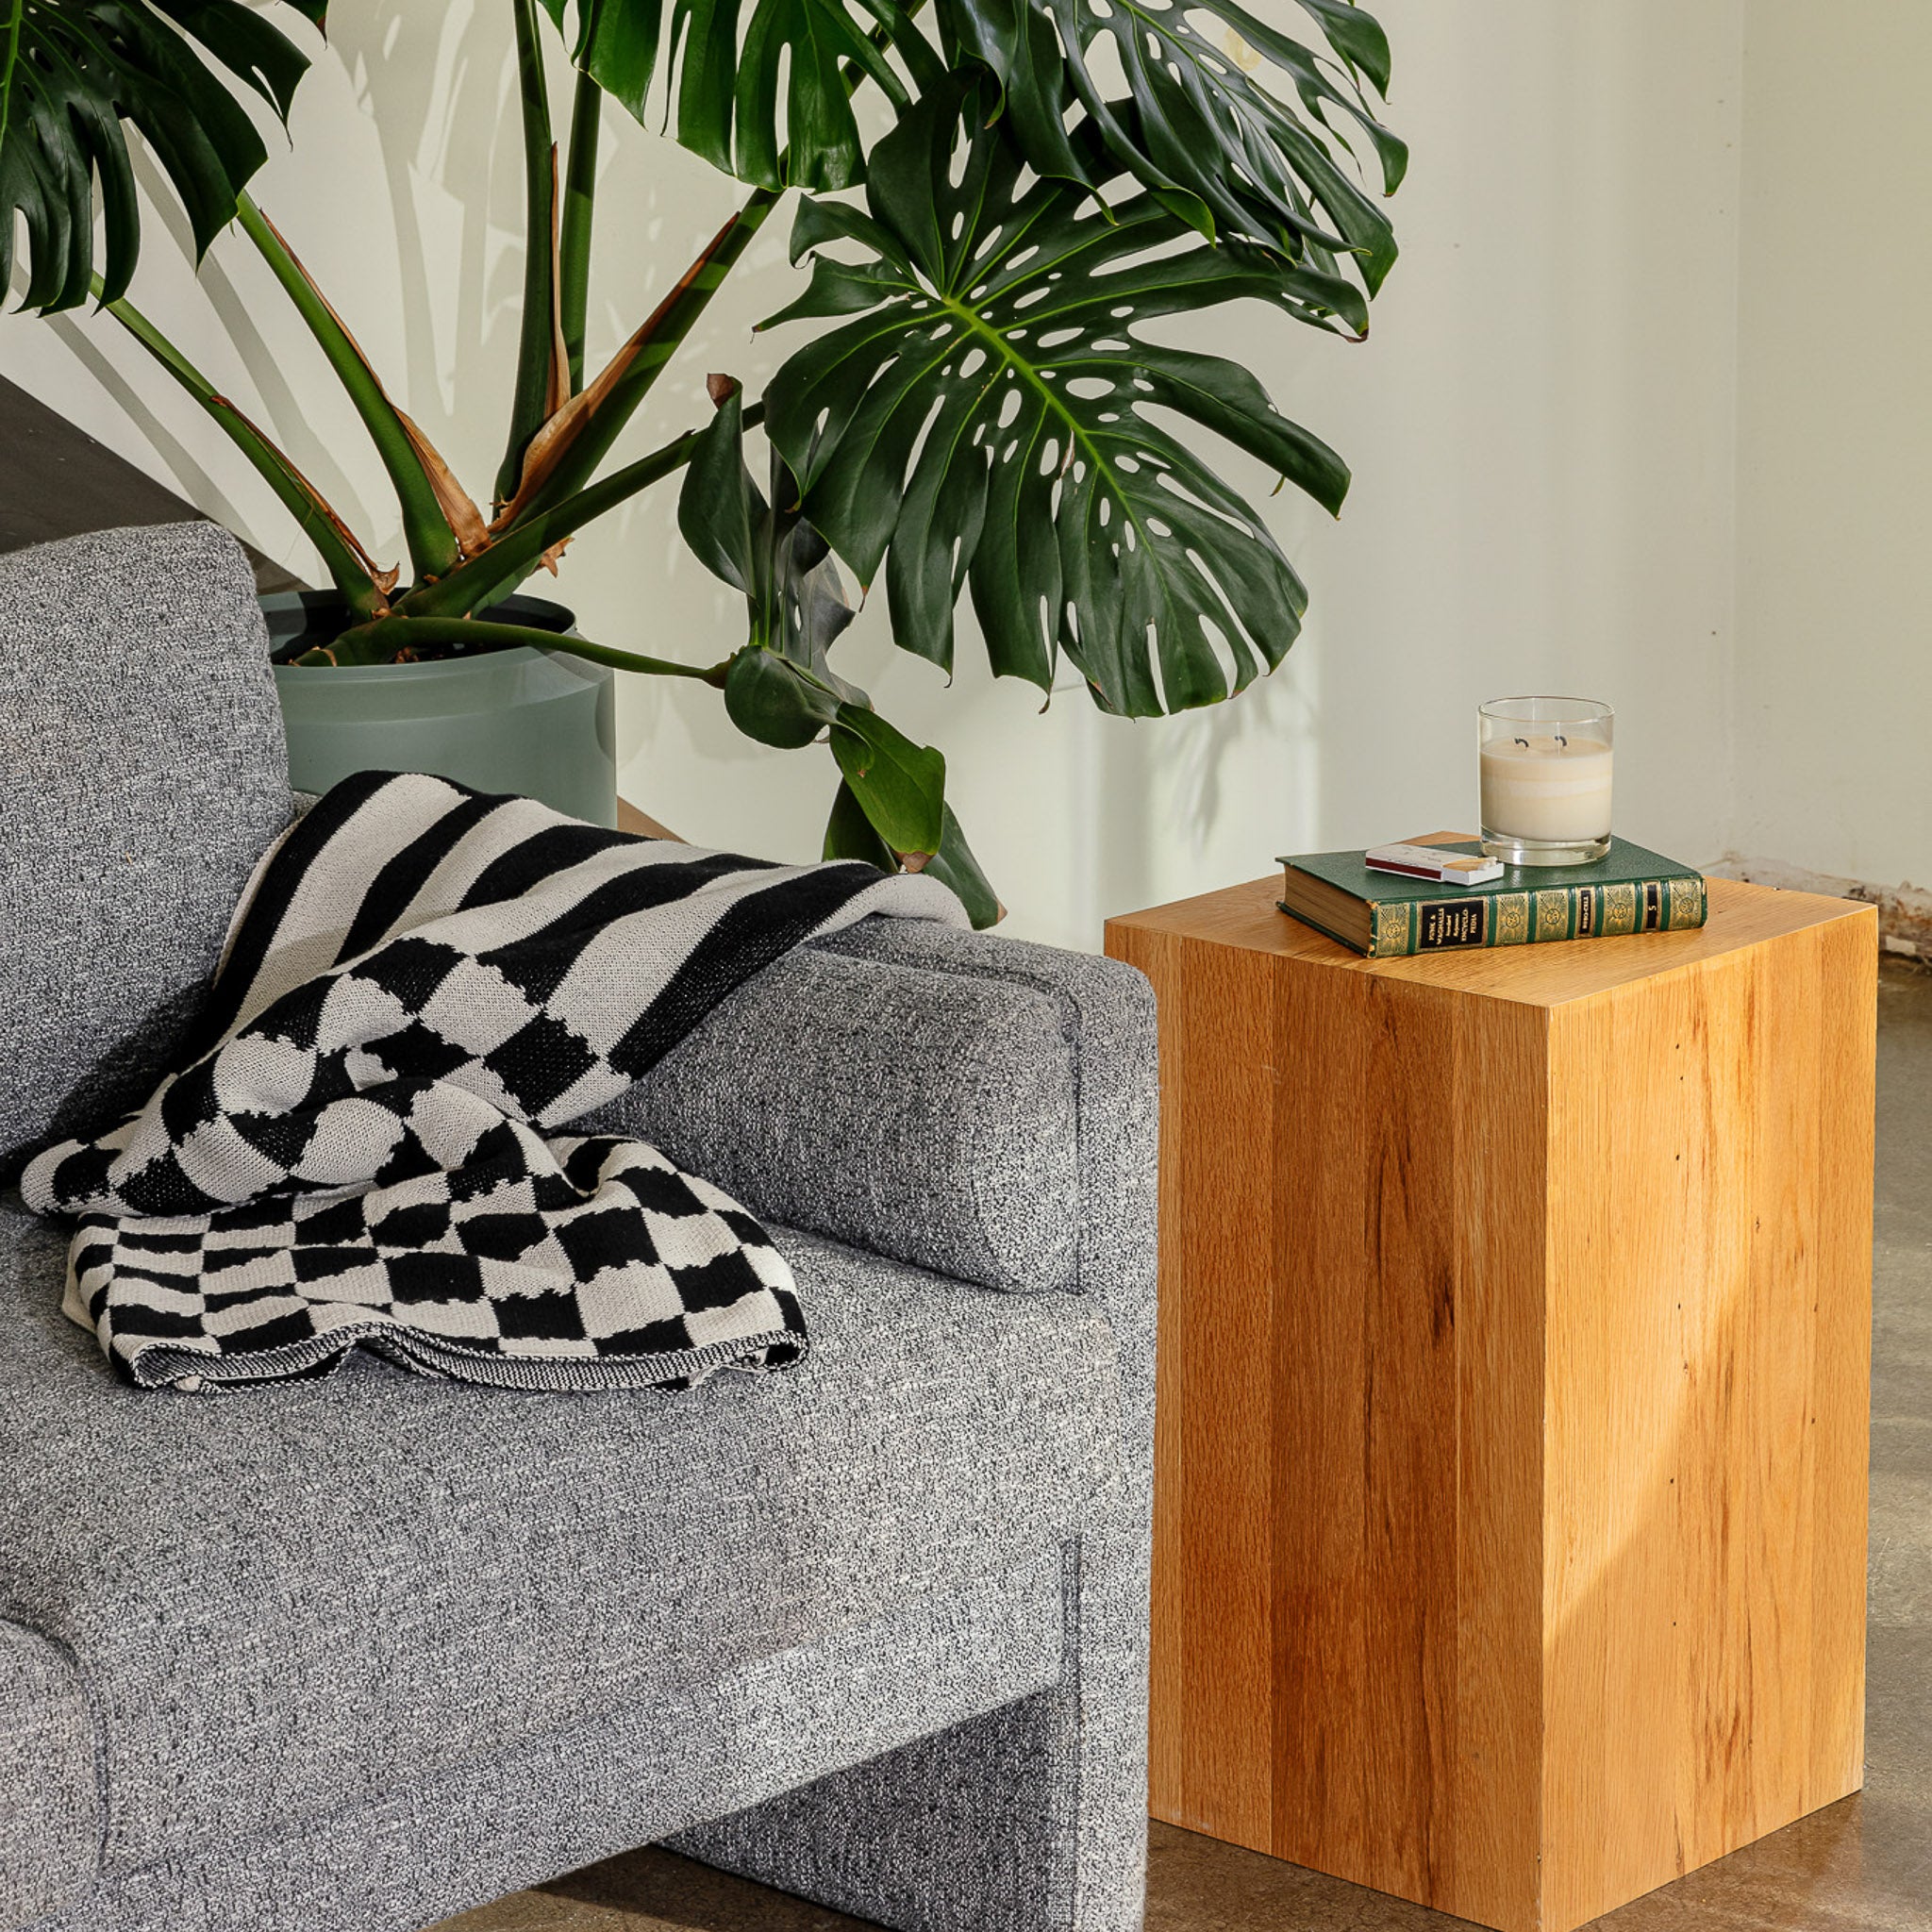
{"points": [[1106, 1015], [972, 1105], [50, 1823], [975, 1104]]}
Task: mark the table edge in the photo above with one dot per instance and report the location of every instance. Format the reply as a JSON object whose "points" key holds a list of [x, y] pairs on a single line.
{"points": [[1170, 921]]}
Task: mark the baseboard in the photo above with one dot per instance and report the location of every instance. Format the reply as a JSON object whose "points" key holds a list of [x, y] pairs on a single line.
{"points": [[1904, 912]]}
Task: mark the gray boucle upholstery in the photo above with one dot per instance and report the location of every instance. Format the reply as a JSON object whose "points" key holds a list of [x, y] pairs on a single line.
{"points": [[379, 1575], [142, 772], [626, 1777], [357, 1655], [904, 1838], [49, 1814], [941, 1131]]}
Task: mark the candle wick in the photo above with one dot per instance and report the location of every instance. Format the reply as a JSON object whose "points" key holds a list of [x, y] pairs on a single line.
{"points": [[1562, 740], [1523, 743]]}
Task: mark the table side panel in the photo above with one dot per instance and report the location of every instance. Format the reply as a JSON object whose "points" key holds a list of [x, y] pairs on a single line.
{"points": [[1707, 1387], [1211, 1761], [1841, 1464], [1352, 1187], [1152, 954], [1409, 1138], [1501, 1160], [1324, 1129]]}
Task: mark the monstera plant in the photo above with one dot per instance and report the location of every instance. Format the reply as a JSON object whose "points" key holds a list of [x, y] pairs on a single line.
{"points": [[977, 408]]}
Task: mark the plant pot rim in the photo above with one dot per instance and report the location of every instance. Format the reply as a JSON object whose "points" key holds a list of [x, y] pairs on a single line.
{"points": [[273, 601], [546, 612], [472, 663]]}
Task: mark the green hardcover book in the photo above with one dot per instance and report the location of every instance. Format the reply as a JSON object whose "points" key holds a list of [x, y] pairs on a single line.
{"points": [[1386, 916]]}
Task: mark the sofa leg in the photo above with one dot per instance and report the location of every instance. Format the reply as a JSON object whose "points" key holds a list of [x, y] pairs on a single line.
{"points": [[1030, 1819]]}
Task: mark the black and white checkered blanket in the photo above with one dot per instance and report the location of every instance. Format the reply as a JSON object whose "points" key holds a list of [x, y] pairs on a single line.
{"points": [[420, 984]]}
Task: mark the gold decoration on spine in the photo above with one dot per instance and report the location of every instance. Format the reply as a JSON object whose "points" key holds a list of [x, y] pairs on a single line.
{"points": [[1512, 919], [1620, 909], [1393, 923], [1686, 903], [1553, 915]]}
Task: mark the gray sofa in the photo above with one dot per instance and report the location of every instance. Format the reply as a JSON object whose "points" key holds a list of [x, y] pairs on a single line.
{"points": [[363, 1652]]}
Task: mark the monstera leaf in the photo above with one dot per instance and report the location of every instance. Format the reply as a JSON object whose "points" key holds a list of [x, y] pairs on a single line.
{"points": [[781, 689], [731, 58], [984, 419], [1203, 127], [73, 71]]}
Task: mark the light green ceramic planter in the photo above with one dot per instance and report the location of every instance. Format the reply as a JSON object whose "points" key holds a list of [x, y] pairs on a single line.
{"points": [[529, 721]]}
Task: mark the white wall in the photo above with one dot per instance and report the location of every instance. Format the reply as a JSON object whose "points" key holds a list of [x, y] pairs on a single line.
{"points": [[1543, 428], [1834, 685]]}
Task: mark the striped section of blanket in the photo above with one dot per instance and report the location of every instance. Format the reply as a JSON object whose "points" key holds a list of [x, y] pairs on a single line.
{"points": [[421, 986]]}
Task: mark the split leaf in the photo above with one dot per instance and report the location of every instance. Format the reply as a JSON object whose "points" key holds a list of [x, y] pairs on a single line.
{"points": [[73, 71], [984, 419]]}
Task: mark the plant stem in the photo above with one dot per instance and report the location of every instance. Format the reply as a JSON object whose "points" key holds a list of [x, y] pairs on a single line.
{"points": [[432, 543], [343, 557], [580, 204], [713, 675], [666, 331], [508, 560], [377, 643], [531, 405], [665, 334]]}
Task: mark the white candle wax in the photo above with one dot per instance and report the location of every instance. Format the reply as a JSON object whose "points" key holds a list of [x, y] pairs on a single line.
{"points": [[1539, 787]]}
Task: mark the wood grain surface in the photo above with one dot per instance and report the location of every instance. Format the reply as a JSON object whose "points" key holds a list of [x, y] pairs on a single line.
{"points": [[1706, 1405], [1509, 1484], [629, 819]]}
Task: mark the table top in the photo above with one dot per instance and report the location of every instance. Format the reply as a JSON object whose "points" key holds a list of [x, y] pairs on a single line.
{"points": [[1246, 917]]}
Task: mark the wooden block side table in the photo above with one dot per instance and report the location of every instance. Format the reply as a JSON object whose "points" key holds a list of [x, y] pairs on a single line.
{"points": [[1515, 1308]]}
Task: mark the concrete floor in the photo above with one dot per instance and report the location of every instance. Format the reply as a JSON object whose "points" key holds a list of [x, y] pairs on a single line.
{"points": [[1864, 1865]]}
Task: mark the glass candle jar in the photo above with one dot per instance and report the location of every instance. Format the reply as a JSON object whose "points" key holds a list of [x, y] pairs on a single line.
{"points": [[1545, 765]]}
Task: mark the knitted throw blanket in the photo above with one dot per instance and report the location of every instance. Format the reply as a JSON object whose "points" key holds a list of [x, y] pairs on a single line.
{"points": [[421, 984]]}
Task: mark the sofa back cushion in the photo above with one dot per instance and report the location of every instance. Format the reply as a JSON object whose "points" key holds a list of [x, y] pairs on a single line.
{"points": [[142, 772]]}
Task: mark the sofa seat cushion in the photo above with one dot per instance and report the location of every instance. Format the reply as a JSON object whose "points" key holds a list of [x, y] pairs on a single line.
{"points": [[285, 1600]]}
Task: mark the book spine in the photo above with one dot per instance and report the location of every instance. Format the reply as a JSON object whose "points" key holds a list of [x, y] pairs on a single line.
{"points": [[1524, 919]]}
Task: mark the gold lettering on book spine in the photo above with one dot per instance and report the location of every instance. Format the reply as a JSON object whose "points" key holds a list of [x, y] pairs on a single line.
{"points": [[1512, 920], [1620, 909], [1553, 915]]}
